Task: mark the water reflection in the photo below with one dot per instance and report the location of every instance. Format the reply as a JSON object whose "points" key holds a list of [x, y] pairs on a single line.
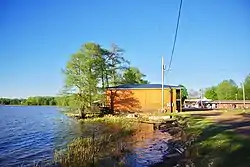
{"points": [[148, 146]]}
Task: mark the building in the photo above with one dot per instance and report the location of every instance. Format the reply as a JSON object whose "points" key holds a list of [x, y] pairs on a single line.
{"points": [[231, 104], [143, 98]]}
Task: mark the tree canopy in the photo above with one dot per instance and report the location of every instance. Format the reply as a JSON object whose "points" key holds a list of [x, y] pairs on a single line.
{"points": [[184, 93], [211, 93], [133, 75], [226, 90], [90, 70], [229, 90], [247, 87]]}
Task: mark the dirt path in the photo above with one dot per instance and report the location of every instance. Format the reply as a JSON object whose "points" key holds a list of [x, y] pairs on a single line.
{"points": [[234, 121]]}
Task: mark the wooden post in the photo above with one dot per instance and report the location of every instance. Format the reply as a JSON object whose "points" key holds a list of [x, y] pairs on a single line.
{"points": [[162, 84], [244, 97], [171, 100]]}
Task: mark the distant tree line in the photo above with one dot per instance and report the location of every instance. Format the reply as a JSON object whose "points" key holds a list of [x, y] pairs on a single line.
{"points": [[37, 100], [229, 90]]}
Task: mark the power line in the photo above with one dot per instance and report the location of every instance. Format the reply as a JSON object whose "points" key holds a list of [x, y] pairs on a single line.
{"points": [[175, 37]]}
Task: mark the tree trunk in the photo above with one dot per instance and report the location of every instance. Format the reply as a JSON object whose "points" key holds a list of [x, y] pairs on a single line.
{"points": [[112, 98], [90, 90], [107, 79], [82, 113]]}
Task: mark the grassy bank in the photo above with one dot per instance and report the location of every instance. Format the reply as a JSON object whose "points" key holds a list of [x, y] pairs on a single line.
{"points": [[216, 144], [104, 145]]}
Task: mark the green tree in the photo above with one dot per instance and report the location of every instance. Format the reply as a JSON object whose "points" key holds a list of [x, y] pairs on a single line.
{"points": [[210, 93], [239, 95], [226, 90], [116, 65], [184, 93], [247, 87], [133, 75], [62, 100], [31, 101], [82, 76]]}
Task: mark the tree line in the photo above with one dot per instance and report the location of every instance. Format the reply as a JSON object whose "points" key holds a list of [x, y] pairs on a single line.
{"points": [[229, 90], [38, 100], [90, 71]]}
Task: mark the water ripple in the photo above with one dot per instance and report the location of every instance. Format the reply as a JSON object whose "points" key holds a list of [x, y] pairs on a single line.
{"points": [[31, 134]]}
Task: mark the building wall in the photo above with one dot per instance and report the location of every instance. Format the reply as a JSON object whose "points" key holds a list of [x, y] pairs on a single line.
{"points": [[232, 106], [141, 100]]}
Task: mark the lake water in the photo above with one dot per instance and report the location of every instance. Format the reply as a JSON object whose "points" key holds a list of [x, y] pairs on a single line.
{"points": [[31, 134]]}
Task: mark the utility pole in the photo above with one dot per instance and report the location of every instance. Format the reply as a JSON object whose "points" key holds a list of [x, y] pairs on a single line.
{"points": [[163, 67], [201, 93], [244, 100]]}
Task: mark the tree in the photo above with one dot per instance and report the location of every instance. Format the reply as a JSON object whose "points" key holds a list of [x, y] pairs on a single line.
{"points": [[110, 64], [184, 93], [210, 93], [89, 72], [133, 75], [247, 87], [239, 95], [82, 76], [116, 64], [62, 100], [226, 90]]}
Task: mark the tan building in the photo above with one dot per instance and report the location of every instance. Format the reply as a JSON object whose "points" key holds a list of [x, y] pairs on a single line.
{"points": [[231, 104], [143, 98]]}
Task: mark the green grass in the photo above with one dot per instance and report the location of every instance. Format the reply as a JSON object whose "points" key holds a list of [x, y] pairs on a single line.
{"points": [[108, 140], [215, 145]]}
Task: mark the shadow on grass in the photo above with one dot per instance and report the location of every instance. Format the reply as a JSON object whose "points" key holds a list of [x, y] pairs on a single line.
{"points": [[207, 114], [245, 115], [218, 144]]}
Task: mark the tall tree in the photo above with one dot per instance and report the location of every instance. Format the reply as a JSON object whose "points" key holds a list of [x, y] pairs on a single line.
{"points": [[210, 93], [247, 87], [133, 75], [82, 74], [226, 90], [184, 93], [115, 65]]}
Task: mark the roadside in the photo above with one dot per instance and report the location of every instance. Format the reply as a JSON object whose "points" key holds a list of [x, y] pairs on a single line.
{"points": [[220, 138], [235, 120]]}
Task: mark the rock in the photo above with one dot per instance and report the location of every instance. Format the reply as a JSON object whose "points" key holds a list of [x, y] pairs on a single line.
{"points": [[132, 115], [159, 117]]}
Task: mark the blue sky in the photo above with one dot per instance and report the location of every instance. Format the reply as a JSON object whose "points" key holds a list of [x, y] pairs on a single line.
{"points": [[38, 37]]}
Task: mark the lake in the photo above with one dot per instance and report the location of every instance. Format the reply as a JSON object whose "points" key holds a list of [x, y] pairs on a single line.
{"points": [[30, 134]]}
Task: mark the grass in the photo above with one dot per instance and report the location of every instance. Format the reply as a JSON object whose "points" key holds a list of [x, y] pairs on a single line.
{"points": [[215, 145], [107, 140]]}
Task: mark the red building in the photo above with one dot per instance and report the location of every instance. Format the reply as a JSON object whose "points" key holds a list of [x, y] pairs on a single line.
{"points": [[231, 104]]}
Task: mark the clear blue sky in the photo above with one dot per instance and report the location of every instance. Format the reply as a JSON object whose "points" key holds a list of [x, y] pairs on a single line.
{"points": [[38, 37]]}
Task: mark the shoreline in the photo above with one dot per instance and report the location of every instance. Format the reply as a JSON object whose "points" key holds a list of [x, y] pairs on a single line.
{"points": [[175, 147]]}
